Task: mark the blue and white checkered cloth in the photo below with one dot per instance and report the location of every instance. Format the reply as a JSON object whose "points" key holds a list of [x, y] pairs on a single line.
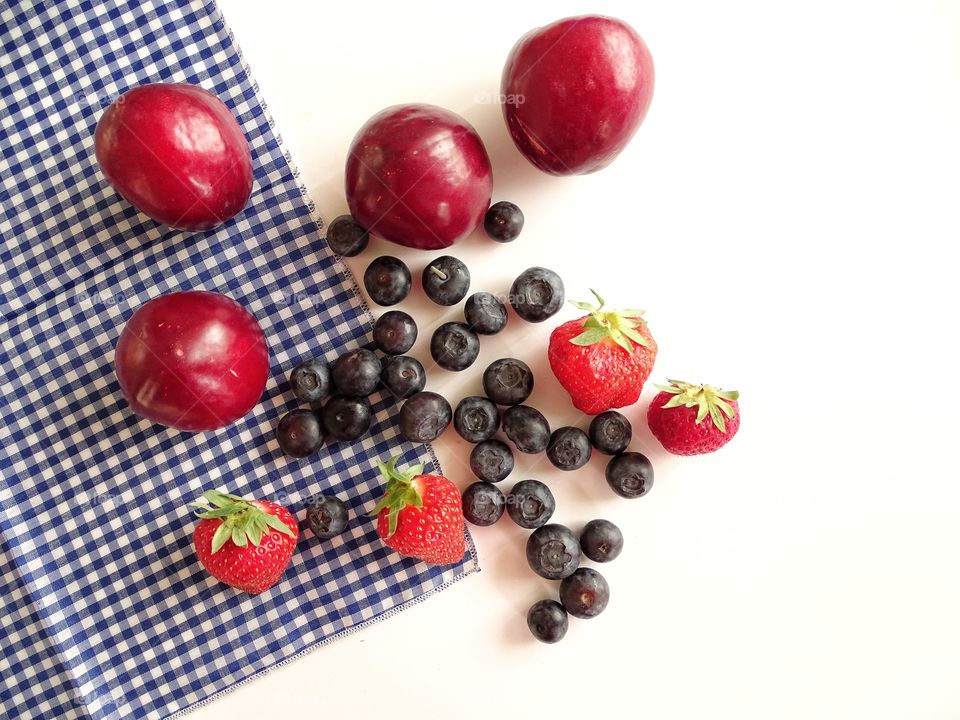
{"points": [[107, 613]]}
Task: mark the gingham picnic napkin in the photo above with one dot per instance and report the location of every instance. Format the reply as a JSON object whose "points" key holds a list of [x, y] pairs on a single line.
{"points": [[106, 611]]}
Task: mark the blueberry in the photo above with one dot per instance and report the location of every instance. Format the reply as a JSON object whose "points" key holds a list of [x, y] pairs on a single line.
{"points": [[547, 621], [310, 381], [491, 460], [395, 332], [585, 593], [508, 381], [485, 314], [530, 504], [300, 433], [503, 221], [446, 280], [569, 448], [610, 432], [527, 428], [327, 516], [537, 294], [356, 373], [424, 416], [403, 376], [601, 540], [454, 346], [476, 419], [387, 280], [630, 475], [345, 236], [553, 551], [482, 503], [346, 418]]}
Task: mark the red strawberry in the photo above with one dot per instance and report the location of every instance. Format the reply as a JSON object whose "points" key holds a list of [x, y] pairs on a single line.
{"points": [[421, 515], [604, 358], [676, 417], [244, 543]]}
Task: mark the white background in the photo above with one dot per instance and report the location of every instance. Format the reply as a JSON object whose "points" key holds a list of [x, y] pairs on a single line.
{"points": [[787, 215]]}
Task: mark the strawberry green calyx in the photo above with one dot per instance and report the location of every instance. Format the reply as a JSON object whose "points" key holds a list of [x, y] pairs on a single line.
{"points": [[707, 399], [400, 492], [617, 325], [243, 521]]}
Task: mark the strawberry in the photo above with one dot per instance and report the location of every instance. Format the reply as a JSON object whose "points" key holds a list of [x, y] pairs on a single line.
{"points": [[245, 543], [421, 515], [604, 358], [676, 417]]}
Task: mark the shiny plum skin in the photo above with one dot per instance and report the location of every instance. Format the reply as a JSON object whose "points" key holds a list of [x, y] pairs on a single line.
{"points": [[419, 176], [192, 360], [176, 153], [575, 93]]}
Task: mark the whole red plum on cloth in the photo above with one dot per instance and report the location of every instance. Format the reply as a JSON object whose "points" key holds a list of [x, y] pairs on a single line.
{"points": [[177, 154], [575, 92], [418, 175], [193, 360]]}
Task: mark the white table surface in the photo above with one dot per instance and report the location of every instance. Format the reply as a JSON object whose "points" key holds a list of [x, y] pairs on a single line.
{"points": [[786, 215]]}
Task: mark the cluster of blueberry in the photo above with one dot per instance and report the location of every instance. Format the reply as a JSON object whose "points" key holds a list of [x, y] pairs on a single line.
{"points": [[553, 551]]}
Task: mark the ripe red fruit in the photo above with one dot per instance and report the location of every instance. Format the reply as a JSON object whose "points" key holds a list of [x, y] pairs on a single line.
{"points": [[176, 153], [246, 544], [604, 358], [192, 360], [421, 515], [418, 175], [677, 417], [575, 92]]}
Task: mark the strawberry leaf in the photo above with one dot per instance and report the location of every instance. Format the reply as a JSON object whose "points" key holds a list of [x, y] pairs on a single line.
{"points": [[254, 532], [220, 537], [277, 524], [707, 399], [591, 336]]}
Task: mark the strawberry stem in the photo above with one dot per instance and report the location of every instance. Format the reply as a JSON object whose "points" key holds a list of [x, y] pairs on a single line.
{"points": [[707, 399], [400, 491], [242, 522], [617, 325]]}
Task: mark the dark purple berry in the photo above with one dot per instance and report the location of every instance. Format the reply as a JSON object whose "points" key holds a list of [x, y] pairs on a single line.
{"points": [[424, 416], [503, 221], [403, 376], [346, 418], [508, 381], [491, 460], [346, 237], [387, 280], [356, 373], [630, 475], [485, 314], [585, 593], [547, 621], [482, 503], [310, 381], [299, 433], [527, 428], [394, 332], [327, 516], [537, 294], [610, 432], [454, 346], [569, 448], [446, 280], [476, 419], [601, 540], [553, 551], [530, 504]]}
